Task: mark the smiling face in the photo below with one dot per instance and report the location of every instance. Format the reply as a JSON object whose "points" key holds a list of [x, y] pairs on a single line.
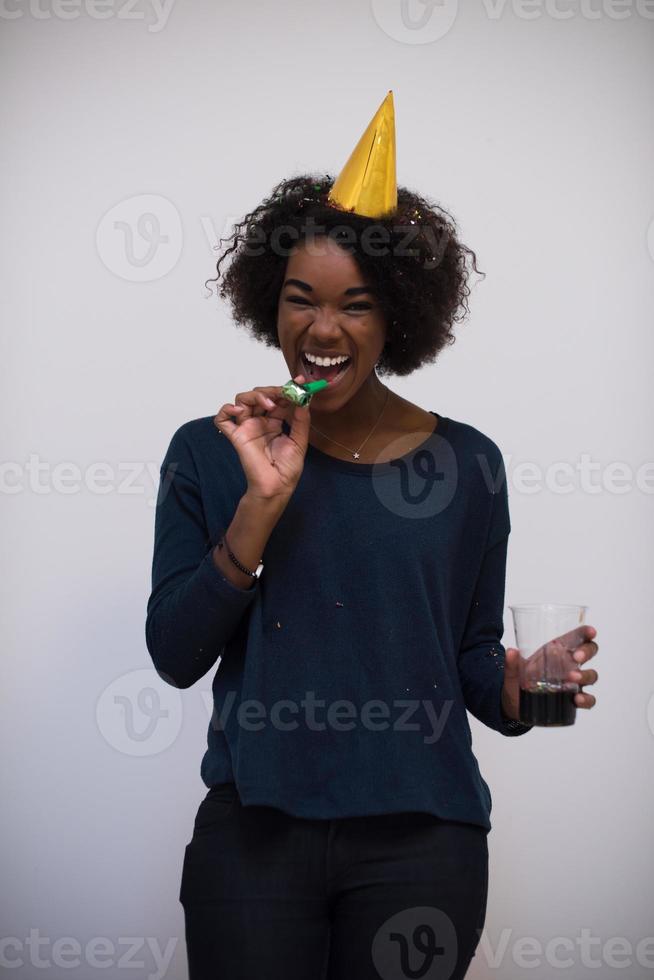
{"points": [[326, 308]]}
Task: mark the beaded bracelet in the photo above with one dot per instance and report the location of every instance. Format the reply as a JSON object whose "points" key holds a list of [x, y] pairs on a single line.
{"points": [[235, 560]]}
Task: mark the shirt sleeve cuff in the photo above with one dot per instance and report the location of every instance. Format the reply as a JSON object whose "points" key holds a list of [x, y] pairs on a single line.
{"points": [[501, 722], [509, 726], [217, 584]]}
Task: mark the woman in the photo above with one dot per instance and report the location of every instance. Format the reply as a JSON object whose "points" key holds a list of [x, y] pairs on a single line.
{"points": [[346, 560]]}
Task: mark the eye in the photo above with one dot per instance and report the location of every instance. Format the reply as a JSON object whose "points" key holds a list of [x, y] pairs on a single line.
{"points": [[303, 301]]}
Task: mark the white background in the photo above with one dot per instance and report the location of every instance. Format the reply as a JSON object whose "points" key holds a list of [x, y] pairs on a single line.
{"points": [[532, 125]]}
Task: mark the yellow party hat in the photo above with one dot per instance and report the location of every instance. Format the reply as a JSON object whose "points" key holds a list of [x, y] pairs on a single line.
{"points": [[367, 185]]}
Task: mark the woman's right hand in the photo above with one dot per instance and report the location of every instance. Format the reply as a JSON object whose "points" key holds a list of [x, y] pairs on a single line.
{"points": [[272, 461]]}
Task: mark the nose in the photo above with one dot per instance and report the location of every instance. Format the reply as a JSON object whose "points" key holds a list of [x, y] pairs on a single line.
{"points": [[325, 329]]}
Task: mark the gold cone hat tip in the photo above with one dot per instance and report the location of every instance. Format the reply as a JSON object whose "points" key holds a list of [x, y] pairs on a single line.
{"points": [[367, 183]]}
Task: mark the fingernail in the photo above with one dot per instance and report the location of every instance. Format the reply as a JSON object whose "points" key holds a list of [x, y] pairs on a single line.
{"points": [[270, 402], [579, 656]]}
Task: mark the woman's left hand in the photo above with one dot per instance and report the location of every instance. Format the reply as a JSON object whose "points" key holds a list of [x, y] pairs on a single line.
{"points": [[511, 688]]}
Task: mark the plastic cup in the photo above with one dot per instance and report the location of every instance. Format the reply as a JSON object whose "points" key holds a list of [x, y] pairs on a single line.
{"points": [[547, 634]]}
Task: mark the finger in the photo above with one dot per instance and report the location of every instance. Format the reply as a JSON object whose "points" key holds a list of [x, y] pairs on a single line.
{"points": [[249, 399], [585, 700], [223, 421], [300, 425], [584, 677], [512, 662], [585, 633], [265, 401], [276, 406], [271, 391], [254, 402], [585, 651]]}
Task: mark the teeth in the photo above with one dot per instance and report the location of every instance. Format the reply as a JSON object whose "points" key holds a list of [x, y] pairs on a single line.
{"points": [[325, 361]]}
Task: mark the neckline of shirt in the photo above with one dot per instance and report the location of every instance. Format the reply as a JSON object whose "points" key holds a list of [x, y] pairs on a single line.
{"points": [[379, 469]]}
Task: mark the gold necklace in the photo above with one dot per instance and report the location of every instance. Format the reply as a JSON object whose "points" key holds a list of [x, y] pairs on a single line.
{"points": [[356, 453]]}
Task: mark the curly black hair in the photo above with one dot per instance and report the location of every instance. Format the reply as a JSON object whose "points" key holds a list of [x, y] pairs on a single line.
{"points": [[411, 257]]}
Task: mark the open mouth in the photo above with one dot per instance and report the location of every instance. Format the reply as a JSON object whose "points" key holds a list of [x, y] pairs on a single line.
{"points": [[332, 373]]}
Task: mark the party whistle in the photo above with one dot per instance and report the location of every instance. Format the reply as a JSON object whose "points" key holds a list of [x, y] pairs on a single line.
{"points": [[302, 394]]}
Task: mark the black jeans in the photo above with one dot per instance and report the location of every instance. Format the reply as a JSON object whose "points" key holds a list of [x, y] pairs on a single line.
{"points": [[269, 896]]}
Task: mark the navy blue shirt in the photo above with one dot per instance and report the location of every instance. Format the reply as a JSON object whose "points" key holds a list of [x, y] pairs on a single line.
{"points": [[345, 672]]}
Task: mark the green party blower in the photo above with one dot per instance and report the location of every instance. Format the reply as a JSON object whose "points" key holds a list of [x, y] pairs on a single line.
{"points": [[302, 394]]}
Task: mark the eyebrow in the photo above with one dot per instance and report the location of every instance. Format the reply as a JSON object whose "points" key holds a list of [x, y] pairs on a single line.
{"points": [[352, 291]]}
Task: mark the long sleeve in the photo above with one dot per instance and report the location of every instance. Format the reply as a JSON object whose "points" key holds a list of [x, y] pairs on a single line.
{"points": [[481, 655], [193, 610]]}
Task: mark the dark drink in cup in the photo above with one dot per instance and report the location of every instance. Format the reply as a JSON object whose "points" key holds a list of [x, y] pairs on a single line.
{"points": [[547, 706], [547, 635]]}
